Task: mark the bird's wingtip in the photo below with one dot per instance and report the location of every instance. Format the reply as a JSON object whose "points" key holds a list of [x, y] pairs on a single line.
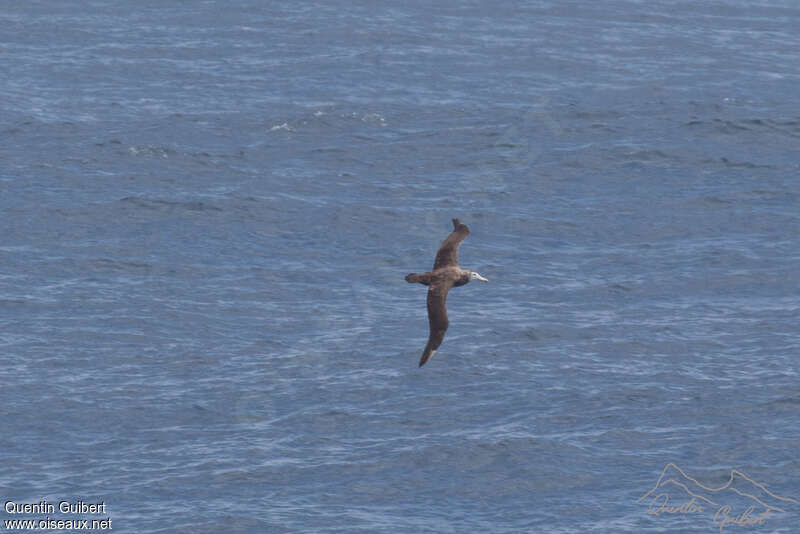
{"points": [[426, 356]]}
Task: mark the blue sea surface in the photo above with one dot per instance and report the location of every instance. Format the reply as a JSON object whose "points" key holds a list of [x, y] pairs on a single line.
{"points": [[208, 210]]}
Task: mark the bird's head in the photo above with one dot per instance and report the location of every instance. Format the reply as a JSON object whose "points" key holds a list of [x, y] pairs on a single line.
{"points": [[475, 276]]}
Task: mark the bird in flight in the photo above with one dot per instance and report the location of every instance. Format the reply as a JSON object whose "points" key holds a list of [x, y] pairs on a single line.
{"points": [[445, 274]]}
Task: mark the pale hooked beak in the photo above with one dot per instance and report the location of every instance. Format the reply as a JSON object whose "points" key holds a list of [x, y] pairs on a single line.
{"points": [[480, 278]]}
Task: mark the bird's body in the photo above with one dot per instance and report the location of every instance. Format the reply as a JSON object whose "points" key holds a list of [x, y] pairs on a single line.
{"points": [[445, 274]]}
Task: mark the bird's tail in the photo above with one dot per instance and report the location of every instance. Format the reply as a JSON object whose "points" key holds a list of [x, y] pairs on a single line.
{"points": [[415, 278]]}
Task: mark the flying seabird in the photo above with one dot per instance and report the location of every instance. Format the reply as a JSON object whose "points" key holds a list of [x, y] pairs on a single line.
{"points": [[445, 274]]}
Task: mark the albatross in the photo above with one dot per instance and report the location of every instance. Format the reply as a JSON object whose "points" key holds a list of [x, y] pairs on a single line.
{"points": [[445, 274]]}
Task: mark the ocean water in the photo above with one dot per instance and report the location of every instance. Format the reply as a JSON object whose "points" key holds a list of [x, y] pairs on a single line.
{"points": [[208, 210]]}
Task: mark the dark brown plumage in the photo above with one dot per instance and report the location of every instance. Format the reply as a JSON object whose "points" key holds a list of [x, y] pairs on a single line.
{"points": [[445, 274]]}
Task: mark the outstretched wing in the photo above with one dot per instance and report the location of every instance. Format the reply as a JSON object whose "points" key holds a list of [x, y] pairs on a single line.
{"points": [[448, 252], [437, 319]]}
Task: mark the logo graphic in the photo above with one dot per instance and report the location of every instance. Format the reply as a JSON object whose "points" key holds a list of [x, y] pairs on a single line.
{"points": [[741, 501]]}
